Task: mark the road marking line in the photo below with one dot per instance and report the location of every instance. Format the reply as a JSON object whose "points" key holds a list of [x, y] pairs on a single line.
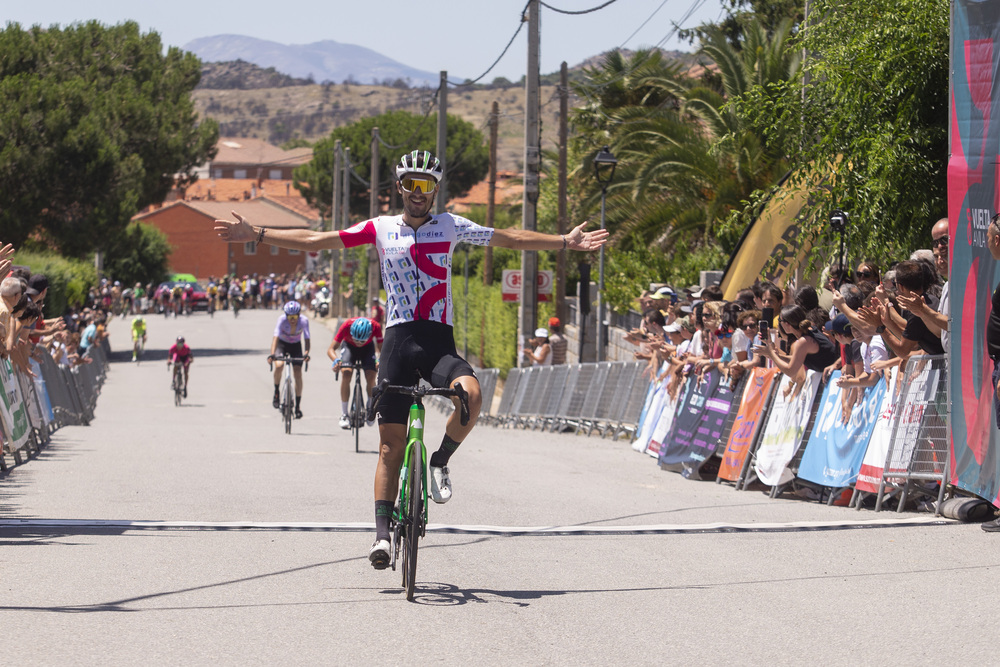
{"points": [[356, 527]]}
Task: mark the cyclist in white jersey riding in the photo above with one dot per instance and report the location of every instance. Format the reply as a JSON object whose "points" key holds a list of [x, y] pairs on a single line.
{"points": [[415, 249]]}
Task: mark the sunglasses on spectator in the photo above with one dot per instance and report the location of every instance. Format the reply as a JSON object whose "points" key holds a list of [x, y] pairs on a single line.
{"points": [[724, 335], [866, 274], [424, 185], [940, 242]]}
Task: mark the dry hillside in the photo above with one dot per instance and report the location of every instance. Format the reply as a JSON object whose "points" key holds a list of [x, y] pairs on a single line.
{"points": [[310, 112]]}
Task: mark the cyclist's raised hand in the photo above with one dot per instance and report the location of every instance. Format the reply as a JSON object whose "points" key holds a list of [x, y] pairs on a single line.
{"points": [[238, 231], [585, 241]]}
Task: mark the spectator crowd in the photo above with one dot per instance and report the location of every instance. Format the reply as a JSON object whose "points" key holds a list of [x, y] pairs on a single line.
{"points": [[862, 320]]}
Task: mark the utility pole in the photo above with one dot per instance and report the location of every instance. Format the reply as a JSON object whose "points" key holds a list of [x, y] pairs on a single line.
{"points": [[374, 274], [532, 162], [334, 226], [345, 217], [441, 202], [491, 201], [560, 286]]}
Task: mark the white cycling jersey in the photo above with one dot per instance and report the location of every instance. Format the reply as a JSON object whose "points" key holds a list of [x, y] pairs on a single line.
{"points": [[416, 264]]}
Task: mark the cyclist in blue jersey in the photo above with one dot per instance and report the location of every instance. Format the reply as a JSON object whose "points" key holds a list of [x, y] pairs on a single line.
{"points": [[290, 334], [415, 250]]}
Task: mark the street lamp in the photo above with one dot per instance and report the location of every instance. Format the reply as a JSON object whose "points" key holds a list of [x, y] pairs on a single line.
{"points": [[604, 171]]}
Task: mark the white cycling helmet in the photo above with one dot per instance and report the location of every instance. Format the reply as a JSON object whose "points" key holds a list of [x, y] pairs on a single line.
{"points": [[419, 162]]}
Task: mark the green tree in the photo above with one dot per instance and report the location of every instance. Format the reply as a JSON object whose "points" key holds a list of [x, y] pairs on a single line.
{"points": [[870, 114], [96, 122], [139, 255], [467, 156]]}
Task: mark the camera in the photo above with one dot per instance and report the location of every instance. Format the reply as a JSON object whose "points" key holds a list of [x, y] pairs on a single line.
{"points": [[838, 220]]}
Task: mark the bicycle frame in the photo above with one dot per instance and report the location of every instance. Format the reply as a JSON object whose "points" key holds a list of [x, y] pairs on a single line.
{"points": [[414, 444]]}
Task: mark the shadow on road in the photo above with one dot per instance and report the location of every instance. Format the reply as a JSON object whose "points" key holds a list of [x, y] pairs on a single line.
{"points": [[125, 356]]}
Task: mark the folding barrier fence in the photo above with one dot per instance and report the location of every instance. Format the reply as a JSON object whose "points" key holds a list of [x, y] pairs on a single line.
{"points": [[33, 408], [604, 398]]}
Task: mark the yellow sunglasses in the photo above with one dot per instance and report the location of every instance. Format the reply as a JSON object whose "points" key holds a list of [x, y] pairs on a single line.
{"points": [[425, 185]]}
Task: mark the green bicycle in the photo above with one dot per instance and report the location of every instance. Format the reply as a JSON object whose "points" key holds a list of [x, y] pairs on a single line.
{"points": [[409, 521]]}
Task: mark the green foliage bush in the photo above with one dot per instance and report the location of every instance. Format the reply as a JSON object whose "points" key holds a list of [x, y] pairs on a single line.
{"points": [[69, 279]]}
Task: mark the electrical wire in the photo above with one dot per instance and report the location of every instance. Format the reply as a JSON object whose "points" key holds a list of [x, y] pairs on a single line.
{"points": [[643, 25], [502, 54], [583, 11]]}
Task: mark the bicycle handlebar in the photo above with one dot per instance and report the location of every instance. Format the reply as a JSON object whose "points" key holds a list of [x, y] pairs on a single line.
{"points": [[417, 392], [284, 357]]}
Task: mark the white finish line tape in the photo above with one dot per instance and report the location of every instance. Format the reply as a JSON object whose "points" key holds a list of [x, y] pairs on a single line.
{"points": [[356, 527]]}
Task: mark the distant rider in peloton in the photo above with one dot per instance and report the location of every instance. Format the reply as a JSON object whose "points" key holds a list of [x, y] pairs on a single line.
{"points": [[361, 339], [292, 328]]}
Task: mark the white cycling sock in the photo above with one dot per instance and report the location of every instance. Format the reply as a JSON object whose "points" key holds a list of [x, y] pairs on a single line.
{"points": [[343, 407]]}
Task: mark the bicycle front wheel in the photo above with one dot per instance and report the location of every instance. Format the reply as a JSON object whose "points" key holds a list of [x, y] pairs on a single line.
{"points": [[287, 406], [357, 413], [414, 520]]}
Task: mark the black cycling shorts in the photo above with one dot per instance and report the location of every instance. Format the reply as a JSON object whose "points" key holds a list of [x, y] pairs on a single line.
{"points": [[423, 349], [291, 349], [365, 355]]}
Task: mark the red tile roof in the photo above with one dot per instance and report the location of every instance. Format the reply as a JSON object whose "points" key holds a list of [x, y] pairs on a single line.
{"points": [[509, 192], [262, 211], [247, 151]]}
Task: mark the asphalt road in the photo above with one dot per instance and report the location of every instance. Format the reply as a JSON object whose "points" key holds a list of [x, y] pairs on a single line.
{"points": [[255, 550]]}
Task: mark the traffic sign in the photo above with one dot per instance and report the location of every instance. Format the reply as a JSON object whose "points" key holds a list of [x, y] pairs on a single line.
{"points": [[510, 286]]}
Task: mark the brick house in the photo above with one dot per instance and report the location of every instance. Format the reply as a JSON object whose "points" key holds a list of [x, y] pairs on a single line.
{"points": [[255, 159], [197, 250]]}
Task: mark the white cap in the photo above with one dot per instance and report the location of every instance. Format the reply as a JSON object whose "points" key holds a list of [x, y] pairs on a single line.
{"points": [[541, 333], [673, 327]]}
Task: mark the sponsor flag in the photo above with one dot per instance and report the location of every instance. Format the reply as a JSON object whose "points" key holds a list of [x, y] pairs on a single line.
{"points": [[870, 477]]}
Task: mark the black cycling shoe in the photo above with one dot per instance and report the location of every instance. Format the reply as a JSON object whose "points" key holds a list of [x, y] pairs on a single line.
{"points": [[276, 402], [185, 392], [298, 413]]}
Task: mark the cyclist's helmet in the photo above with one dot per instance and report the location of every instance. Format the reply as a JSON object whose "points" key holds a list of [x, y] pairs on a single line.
{"points": [[180, 340], [361, 330], [292, 308], [419, 162]]}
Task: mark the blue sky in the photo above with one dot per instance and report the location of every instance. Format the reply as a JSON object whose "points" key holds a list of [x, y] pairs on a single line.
{"points": [[432, 36]]}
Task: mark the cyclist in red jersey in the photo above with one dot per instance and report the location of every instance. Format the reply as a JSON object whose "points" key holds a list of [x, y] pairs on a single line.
{"points": [[415, 250], [180, 353], [360, 339]]}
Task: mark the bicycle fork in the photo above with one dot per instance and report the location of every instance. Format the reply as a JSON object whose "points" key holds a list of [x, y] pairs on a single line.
{"points": [[414, 447]]}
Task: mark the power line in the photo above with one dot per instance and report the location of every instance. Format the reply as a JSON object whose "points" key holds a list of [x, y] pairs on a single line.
{"points": [[648, 19], [502, 54], [584, 11]]}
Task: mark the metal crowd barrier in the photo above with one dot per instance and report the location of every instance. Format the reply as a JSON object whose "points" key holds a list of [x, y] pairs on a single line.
{"points": [[488, 378], [606, 397], [918, 456], [70, 393]]}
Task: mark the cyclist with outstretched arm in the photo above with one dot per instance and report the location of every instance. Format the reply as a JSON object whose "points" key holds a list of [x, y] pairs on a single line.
{"points": [[415, 250], [359, 339]]}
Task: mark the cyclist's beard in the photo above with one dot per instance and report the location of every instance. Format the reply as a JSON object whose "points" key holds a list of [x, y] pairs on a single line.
{"points": [[417, 212]]}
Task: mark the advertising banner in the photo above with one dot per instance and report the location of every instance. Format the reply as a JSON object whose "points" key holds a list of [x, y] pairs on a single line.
{"points": [[650, 414], [13, 413], [835, 450], [870, 476], [972, 201], [752, 405], [699, 422], [668, 411], [786, 425], [920, 386]]}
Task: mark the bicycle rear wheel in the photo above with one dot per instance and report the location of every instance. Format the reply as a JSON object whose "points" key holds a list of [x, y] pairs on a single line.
{"points": [[414, 519]]}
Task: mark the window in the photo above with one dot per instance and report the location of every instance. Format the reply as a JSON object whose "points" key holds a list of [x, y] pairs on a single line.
{"points": [[249, 248], [275, 249], [239, 173], [275, 175], [294, 252], [217, 172]]}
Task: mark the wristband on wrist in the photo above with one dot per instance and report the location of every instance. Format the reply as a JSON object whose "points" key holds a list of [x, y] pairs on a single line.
{"points": [[565, 242], [260, 235]]}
